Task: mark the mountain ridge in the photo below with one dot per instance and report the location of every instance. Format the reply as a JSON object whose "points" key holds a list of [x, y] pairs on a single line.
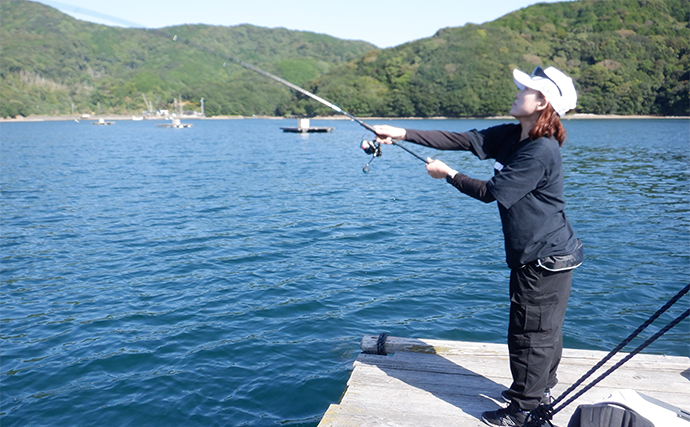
{"points": [[628, 57]]}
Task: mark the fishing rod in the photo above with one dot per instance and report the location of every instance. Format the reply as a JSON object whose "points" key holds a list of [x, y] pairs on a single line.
{"points": [[370, 147]]}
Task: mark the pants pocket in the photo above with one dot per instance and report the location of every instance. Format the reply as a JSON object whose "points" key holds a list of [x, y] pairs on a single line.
{"points": [[534, 320]]}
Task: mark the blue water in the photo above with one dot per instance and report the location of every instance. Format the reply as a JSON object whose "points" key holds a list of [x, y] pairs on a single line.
{"points": [[223, 275]]}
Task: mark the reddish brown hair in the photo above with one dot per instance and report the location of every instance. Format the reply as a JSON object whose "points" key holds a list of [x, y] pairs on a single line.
{"points": [[548, 125]]}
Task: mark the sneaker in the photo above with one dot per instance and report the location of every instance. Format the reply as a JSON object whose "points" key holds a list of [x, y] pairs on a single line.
{"points": [[512, 416], [545, 399]]}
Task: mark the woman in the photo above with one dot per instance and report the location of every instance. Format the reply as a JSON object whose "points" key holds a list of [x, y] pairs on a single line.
{"points": [[541, 247]]}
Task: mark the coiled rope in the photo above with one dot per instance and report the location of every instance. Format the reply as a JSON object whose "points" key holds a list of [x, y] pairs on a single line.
{"points": [[545, 413]]}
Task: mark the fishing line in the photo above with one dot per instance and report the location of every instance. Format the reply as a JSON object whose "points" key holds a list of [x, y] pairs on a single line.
{"points": [[334, 107]]}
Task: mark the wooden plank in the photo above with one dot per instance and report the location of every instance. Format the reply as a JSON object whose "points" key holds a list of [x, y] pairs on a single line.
{"points": [[673, 391], [641, 377], [450, 383], [416, 345], [349, 416]]}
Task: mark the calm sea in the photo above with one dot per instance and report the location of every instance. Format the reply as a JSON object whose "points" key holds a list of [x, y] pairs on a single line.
{"points": [[224, 274]]}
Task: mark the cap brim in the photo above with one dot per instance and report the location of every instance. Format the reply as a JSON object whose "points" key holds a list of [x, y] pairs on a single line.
{"points": [[522, 79]]}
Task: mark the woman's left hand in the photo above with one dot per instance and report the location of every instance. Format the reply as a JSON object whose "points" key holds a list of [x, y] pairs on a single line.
{"points": [[437, 169]]}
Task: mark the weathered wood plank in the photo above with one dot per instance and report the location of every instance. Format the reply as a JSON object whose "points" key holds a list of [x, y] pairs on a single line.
{"points": [[674, 392], [350, 416], [641, 377], [450, 383], [416, 345]]}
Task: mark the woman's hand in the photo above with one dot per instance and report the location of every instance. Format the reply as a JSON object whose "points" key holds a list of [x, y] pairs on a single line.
{"points": [[437, 169], [385, 134]]}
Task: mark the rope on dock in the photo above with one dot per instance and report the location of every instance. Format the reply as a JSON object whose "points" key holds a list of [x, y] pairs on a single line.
{"points": [[380, 345]]}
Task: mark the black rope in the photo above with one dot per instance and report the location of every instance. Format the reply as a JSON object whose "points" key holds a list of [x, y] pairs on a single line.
{"points": [[546, 412], [625, 342], [380, 345], [642, 346]]}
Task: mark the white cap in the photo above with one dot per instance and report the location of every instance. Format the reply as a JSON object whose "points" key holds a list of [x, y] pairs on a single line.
{"points": [[556, 87]]}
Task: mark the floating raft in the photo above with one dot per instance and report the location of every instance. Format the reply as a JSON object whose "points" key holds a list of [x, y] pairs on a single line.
{"points": [[436, 383], [303, 127], [308, 130], [175, 124]]}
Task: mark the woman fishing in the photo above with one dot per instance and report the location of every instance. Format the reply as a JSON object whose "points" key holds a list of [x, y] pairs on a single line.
{"points": [[540, 245]]}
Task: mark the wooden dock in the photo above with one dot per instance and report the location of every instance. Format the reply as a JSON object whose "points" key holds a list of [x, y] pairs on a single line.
{"points": [[435, 383]]}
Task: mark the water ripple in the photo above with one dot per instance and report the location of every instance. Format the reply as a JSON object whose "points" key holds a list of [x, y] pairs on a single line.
{"points": [[224, 276]]}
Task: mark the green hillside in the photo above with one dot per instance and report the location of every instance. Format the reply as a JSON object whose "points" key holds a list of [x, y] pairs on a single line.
{"points": [[626, 56], [50, 62]]}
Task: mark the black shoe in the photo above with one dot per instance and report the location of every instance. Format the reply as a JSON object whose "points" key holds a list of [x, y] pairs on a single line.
{"points": [[511, 416], [545, 399]]}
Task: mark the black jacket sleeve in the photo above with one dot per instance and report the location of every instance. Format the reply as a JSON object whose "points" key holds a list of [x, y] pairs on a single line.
{"points": [[485, 144], [441, 140], [472, 187]]}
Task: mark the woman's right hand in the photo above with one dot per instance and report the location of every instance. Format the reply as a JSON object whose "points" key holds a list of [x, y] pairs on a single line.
{"points": [[385, 134]]}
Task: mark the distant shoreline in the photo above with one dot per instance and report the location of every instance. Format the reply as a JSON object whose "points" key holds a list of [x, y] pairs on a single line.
{"points": [[576, 116]]}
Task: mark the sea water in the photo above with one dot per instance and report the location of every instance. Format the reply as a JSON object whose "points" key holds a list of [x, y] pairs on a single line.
{"points": [[224, 274]]}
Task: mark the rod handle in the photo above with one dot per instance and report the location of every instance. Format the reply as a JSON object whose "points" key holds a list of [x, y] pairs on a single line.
{"points": [[368, 127]]}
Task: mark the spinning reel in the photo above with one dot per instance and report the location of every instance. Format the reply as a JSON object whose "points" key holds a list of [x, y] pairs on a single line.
{"points": [[374, 149]]}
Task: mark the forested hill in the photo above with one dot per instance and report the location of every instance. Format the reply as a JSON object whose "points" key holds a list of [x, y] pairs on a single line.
{"points": [[50, 62], [627, 57]]}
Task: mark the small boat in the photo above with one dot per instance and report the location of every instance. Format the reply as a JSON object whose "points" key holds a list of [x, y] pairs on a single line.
{"points": [[137, 118], [103, 122]]}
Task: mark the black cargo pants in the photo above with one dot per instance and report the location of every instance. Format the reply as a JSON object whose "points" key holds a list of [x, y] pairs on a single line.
{"points": [[538, 299]]}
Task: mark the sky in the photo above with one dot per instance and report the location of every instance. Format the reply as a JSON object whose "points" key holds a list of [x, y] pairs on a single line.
{"points": [[384, 23]]}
